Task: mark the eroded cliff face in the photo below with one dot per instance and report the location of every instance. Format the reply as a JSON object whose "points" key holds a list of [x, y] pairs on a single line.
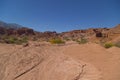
{"points": [[42, 62], [13, 31]]}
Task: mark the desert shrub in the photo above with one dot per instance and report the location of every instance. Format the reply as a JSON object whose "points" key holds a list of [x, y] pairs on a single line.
{"points": [[34, 38], [67, 39], [56, 41], [10, 39], [22, 40], [74, 39], [117, 44], [82, 41], [15, 40], [108, 45]]}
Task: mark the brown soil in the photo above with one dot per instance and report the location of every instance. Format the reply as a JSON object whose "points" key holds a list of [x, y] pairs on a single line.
{"points": [[43, 61]]}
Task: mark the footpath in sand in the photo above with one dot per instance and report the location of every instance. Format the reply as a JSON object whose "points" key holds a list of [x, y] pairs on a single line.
{"points": [[107, 61], [43, 62]]}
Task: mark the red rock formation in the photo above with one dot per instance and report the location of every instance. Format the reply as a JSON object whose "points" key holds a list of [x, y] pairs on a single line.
{"points": [[2, 30], [25, 31], [11, 31]]}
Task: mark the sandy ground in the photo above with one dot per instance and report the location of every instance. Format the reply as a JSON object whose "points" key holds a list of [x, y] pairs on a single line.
{"points": [[107, 61], [42, 61]]}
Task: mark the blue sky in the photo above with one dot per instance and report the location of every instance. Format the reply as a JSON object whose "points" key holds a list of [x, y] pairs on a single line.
{"points": [[61, 15]]}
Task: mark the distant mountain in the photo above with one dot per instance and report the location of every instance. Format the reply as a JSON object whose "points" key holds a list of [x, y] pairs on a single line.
{"points": [[10, 25], [14, 29]]}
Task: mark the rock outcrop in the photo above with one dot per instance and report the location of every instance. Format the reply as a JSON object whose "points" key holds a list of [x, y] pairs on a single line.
{"points": [[13, 31], [25, 31], [43, 63]]}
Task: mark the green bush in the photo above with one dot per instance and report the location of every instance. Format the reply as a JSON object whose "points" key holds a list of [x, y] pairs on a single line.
{"points": [[10, 40], [108, 45], [66, 39], [15, 40], [82, 41], [22, 40], [56, 41]]}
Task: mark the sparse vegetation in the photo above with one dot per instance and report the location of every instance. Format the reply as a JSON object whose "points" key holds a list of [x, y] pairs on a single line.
{"points": [[67, 39], [14, 39], [56, 41], [82, 41], [108, 45], [11, 40]]}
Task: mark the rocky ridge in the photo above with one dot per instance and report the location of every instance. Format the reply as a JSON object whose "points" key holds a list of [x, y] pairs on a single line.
{"points": [[91, 34]]}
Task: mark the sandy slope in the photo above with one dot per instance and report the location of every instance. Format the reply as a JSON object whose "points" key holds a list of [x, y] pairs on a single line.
{"points": [[42, 62], [106, 60]]}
